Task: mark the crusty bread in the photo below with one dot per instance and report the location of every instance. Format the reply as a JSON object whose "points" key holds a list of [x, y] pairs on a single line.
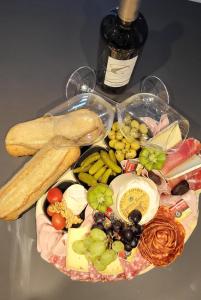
{"points": [[77, 126], [36, 176]]}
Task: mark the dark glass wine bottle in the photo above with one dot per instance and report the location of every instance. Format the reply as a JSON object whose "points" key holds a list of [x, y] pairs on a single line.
{"points": [[122, 36]]}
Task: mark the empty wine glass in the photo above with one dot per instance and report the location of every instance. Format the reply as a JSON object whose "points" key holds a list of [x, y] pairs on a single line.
{"points": [[96, 112], [151, 106]]}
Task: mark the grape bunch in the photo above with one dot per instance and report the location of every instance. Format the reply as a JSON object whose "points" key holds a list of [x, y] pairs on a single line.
{"points": [[118, 231], [95, 247], [130, 234]]}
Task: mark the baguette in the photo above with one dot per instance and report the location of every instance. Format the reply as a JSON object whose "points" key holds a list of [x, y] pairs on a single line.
{"points": [[78, 127], [35, 177]]}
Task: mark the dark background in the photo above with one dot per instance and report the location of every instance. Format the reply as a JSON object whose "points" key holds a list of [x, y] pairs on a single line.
{"points": [[41, 43]]}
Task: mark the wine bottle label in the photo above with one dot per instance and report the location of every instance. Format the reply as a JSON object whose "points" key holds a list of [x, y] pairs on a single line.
{"points": [[118, 72]]}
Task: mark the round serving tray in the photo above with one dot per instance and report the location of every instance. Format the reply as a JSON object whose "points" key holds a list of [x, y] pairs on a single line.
{"points": [[70, 177]]}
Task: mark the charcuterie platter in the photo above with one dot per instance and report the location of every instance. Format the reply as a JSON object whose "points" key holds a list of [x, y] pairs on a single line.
{"points": [[116, 185], [134, 203]]}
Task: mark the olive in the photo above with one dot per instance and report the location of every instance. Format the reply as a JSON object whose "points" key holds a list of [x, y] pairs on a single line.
{"points": [[181, 188]]}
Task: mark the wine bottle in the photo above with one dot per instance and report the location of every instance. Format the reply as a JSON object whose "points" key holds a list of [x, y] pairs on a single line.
{"points": [[122, 36]]}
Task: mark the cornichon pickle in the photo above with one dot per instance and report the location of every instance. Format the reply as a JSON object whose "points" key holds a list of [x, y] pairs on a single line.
{"points": [[112, 156], [96, 166], [106, 175], [106, 159], [82, 169], [87, 178], [99, 173], [90, 159]]}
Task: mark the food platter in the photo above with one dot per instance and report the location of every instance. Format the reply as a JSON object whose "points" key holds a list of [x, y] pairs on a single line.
{"points": [[127, 265], [116, 185]]}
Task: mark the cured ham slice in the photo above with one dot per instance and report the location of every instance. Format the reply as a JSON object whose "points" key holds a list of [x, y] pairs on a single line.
{"points": [[185, 150], [193, 178], [155, 126]]}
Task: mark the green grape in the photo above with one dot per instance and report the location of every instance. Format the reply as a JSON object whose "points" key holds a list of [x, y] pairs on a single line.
{"points": [[98, 265], [87, 242], [97, 248], [108, 256], [117, 246], [79, 247], [98, 235]]}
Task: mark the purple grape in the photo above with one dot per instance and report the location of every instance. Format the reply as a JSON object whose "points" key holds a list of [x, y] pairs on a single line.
{"points": [[117, 225], [134, 242], [127, 247], [99, 217], [127, 234], [109, 231], [135, 216], [137, 229], [99, 226]]}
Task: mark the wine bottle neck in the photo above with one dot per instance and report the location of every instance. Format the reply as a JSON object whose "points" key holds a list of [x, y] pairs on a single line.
{"points": [[128, 11]]}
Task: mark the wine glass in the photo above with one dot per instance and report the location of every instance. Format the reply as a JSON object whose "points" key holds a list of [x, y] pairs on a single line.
{"points": [[151, 106], [96, 112]]}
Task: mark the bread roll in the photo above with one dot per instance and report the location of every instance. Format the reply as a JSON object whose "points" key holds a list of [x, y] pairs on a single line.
{"points": [[79, 127], [36, 176]]}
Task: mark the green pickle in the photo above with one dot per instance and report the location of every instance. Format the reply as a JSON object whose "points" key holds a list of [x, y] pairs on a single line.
{"points": [[106, 176], [96, 166], [112, 156], [90, 159], [99, 173], [112, 165], [87, 178], [82, 169]]}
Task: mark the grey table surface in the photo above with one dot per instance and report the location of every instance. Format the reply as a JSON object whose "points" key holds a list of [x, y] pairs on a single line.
{"points": [[41, 43]]}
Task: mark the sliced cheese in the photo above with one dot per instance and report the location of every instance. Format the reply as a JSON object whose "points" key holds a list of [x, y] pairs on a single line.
{"points": [[168, 137], [132, 255], [75, 261], [189, 165], [114, 268]]}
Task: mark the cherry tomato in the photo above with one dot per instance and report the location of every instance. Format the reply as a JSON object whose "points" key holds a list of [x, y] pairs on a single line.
{"points": [[58, 222], [54, 195], [49, 212]]}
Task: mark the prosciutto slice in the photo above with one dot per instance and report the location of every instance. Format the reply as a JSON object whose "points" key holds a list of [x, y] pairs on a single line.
{"points": [[193, 178], [184, 150], [155, 126]]}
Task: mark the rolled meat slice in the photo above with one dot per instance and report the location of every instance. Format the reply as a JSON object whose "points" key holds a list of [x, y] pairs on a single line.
{"points": [[193, 178], [183, 151]]}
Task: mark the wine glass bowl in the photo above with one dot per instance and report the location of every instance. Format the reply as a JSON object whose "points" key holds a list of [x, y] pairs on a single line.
{"points": [[154, 112], [101, 118]]}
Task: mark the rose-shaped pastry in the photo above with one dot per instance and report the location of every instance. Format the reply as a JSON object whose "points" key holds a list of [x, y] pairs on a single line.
{"points": [[162, 239]]}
